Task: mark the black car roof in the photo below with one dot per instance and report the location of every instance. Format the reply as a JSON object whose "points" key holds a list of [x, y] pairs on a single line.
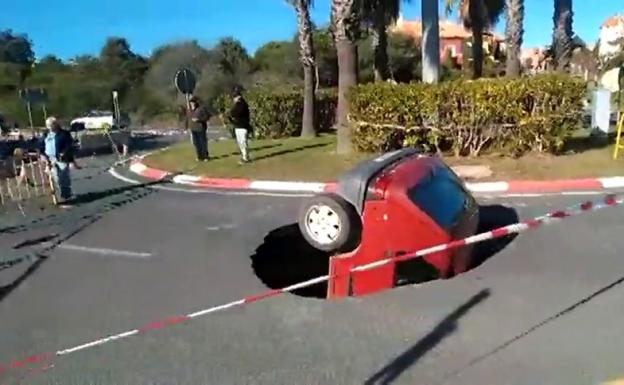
{"points": [[352, 186]]}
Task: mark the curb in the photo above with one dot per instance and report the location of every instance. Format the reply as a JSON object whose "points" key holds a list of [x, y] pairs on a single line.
{"points": [[510, 187]]}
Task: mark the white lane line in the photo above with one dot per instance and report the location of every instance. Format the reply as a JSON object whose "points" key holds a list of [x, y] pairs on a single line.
{"points": [[541, 195], [226, 226], [104, 251]]}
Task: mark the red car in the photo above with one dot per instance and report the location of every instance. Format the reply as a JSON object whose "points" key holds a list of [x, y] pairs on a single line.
{"points": [[399, 202]]}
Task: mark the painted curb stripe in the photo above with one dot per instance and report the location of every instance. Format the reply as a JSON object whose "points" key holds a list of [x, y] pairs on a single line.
{"points": [[488, 187], [555, 185], [511, 187], [614, 182], [231, 184], [287, 186]]}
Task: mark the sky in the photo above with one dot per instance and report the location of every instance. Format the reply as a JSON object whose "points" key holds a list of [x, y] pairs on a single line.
{"points": [[67, 28]]}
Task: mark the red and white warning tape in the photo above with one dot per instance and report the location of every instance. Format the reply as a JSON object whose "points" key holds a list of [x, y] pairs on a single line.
{"points": [[517, 228]]}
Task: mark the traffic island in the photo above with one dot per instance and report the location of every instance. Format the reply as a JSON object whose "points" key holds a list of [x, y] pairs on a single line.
{"points": [[311, 165]]}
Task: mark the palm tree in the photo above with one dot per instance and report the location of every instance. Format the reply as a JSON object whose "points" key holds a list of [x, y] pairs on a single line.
{"points": [[478, 16], [562, 34], [345, 25], [378, 15], [307, 57], [430, 41], [514, 32]]}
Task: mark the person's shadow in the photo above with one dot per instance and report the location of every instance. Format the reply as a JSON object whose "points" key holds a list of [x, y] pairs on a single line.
{"points": [[391, 371]]}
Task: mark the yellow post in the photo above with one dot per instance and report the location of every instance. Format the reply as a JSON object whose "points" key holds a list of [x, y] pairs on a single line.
{"points": [[618, 137]]}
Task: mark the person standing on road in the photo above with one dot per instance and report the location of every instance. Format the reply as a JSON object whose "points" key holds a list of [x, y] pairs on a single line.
{"points": [[239, 116], [57, 149], [199, 116]]}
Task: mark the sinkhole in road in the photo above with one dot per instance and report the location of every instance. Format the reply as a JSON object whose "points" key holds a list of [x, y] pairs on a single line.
{"points": [[285, 258]]}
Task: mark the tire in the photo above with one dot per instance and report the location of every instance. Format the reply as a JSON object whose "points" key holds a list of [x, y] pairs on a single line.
{"points": [[331, 224]]}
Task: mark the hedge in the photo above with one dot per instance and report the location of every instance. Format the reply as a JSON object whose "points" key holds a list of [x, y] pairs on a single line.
{"points": [[279, 114], [532, 114]]}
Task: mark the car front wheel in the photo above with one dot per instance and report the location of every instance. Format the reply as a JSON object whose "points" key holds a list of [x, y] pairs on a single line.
{"points": [[329, 223]]}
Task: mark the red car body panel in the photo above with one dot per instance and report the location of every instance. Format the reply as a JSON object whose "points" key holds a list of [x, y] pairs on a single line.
{"points": [[392, 225]]}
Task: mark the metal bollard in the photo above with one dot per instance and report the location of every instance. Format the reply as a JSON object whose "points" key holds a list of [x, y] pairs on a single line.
{"points": [[16, 178], [8, 185], [34, 176], [2, 202], [24, 180], [41, 165]]}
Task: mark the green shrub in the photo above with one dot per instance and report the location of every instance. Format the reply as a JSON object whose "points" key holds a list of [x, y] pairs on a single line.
{"points": [[279, 114], [469, 117]]}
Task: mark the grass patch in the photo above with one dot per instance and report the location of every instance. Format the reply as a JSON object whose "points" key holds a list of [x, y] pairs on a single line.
{"points": [[286, 159], [316, 160]]}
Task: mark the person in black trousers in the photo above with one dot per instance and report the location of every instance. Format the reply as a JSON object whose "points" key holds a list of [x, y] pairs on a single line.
{"points": [[239, 117], [198, 124]]}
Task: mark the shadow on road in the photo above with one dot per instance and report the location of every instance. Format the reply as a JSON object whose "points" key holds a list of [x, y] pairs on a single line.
{"points": [[286, 258], [543, 323], [97, 195], [393, 370], [6, 290]]}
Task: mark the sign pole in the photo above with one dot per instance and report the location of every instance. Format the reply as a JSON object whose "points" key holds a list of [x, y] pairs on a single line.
{"points": [[30, 118], [185, 81]]}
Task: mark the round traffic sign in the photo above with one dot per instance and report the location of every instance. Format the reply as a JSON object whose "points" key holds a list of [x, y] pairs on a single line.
{"points": [[185, 81]]}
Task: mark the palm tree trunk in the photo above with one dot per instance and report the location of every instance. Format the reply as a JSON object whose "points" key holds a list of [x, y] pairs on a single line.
{"points": [[477, 13], [347, 78], [562, 34], [345, 27], [514, 33], [477, 52], [309, 102], [430, 41], [307, 57], [380, 46]]}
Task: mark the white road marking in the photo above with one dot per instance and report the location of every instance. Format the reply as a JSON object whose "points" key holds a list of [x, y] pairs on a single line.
{"points": [[541, 195], [226, 226], [104, 251]]}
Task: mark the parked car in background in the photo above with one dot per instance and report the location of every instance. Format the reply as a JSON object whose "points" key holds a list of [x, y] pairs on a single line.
{"points": [[95, 120], [402, 201], [7, 126]]}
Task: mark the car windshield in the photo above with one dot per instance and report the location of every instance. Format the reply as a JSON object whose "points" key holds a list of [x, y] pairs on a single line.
{"points": [[441, 196]]}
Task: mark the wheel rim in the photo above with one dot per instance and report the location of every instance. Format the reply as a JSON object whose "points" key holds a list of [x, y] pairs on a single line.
{"points": [[323, 224]]}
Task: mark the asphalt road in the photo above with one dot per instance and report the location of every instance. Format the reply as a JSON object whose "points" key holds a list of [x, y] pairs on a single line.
{"points": [[546, 309]]}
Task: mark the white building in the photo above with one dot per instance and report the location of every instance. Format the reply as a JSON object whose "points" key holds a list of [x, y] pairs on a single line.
{"points": [[611, 33]]}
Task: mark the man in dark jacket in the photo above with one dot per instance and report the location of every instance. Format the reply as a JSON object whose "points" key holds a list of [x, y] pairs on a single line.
{"points": [[199, 116], [57, 148], [240, 118]]}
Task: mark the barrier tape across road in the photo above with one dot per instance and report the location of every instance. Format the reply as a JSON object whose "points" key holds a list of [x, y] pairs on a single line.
{"points": [[517, 228]]}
